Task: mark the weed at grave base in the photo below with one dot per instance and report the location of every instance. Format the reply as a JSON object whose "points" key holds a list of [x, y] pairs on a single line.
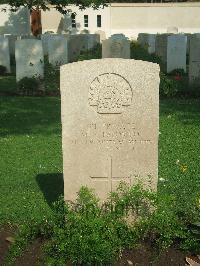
{"points": [[87, 233]]}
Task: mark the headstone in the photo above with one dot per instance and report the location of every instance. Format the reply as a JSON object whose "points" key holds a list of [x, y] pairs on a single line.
{"points": [[116, 48], [102, 35], [11, 40], [29, 59], [76, 44], [176, 52], [58, 50], [45, 39], [194, 62], [4, 53], [189, 36], [142, 38], [161, 47], [172, 30], [118, 36], [152, 43], [93, 40], [27, 36], [110, 120], [148, 41]]}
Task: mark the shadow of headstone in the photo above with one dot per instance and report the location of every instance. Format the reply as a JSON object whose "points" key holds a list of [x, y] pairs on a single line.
{"points": [[51, 185]]}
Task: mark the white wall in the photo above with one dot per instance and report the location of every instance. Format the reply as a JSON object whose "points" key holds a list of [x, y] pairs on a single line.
{"points": [[14, 22], [132, 19], [53, 21]]}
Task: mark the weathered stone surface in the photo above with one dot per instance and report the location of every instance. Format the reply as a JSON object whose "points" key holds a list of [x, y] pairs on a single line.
{"points": [[194, 61], [29, 59], [110, 120], [58, 50], [4, 53], [102, 35], [161, 47], [81, 42], [93, 40], [116, 48], [118, 36], [11, 41], [76, 44], [176, 52], [148, 41]]}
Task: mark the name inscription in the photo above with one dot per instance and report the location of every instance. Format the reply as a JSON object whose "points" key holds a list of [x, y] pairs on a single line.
{"points": [[112, 135]]}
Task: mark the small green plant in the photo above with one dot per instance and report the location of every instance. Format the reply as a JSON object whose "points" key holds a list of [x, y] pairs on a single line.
{"points": [[2, 70], [29, 86], [88, 233], [168, 86]]}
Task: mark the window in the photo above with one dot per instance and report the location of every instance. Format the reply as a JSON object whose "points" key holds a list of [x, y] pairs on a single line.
{"points": [[73, 18], [99, 21], [86, 21]]}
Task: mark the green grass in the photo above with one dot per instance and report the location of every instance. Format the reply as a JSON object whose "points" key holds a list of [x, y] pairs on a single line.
{"points": [[31, 155]]}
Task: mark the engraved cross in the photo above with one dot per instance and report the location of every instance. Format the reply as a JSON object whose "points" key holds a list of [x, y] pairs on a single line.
{"points": [[110, 178]]}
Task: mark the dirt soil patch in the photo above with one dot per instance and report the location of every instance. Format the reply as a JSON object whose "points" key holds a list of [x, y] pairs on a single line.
{"points": [[145, 255]]}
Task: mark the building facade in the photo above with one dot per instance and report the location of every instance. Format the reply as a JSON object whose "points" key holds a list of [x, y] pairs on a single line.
{"points": [[127, 18]]}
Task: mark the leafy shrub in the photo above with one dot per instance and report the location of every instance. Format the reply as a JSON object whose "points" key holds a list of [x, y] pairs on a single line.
{"points": [[168, 86], [88, 233], [2, 70], [29, 86]]}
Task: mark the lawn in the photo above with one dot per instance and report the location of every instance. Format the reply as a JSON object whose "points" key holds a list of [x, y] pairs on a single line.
{"points": [[31, 155]]}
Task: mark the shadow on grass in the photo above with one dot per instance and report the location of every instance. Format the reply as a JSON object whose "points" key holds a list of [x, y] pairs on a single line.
{"points": [[51, 185], [29, 115], [187, 110]]}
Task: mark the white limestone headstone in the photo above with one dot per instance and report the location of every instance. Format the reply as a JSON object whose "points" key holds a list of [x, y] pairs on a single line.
{"points": [[176, 52], [58, 50], [4, 53], [116, 48], [29, 59], [102, 35], [110, 124]]}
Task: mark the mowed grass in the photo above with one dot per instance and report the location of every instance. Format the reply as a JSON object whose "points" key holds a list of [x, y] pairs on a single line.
{"points": [[31, 155]]}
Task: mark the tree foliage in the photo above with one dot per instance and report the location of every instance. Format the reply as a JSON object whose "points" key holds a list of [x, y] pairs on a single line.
{"points": [[60, 5]]}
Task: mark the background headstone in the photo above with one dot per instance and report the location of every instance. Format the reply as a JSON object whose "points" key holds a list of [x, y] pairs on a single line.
{"points": [[176, 52], [102, 35], [58, 50], [29, 59], [93, 40], [76, 44], [194, 62], [4, 53], [11, 40], [116, 48], [118, 36], [147, 41], [161, 48], [110, 120]]}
